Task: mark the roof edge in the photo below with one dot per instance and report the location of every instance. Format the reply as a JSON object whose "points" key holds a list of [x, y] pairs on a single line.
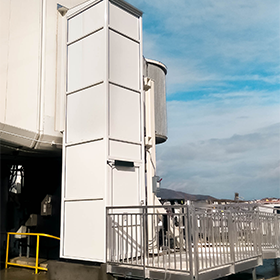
{"points": [[157, 63], [126, 6]]}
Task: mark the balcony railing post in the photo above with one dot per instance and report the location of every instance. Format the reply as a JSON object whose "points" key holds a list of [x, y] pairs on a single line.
{"points": [[256, 231], [37, 254], [231, 236], [107, 234], [195, 242], [259, 234], [189, 233], [7, 250], [145, 242], [276, 231]]}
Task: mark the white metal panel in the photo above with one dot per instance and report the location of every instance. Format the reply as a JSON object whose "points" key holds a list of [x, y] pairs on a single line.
{"points": [[4, 46], [85, 171], [126, 181], [61, 59], [124, 61], [124, 22], [29, 45], [84, 236], [23, 63], [125, 150], [124, 114], [86, 22], [86, 61], [85, 114], [50, 57]]}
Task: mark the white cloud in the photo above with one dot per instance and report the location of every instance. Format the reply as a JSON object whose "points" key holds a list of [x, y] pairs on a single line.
{"points": [[248, 164], [221, 116]]}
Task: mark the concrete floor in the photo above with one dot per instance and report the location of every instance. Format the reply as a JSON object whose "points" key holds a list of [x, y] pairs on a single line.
{"points": [[58, 270], [16, 273], [268, 271]]}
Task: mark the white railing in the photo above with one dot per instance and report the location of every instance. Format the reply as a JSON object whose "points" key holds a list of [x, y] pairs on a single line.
{"points": [[192, 241], [269, 225]]}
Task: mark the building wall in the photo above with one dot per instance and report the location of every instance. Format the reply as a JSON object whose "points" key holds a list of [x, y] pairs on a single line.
{"points": [[30, 81]]}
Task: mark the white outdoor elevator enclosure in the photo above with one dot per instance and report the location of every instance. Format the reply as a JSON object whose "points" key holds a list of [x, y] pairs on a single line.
{"points": [[103, 146]]}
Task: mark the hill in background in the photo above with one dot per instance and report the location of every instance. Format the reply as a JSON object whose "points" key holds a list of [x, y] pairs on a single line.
{"points": [[168, 194]]}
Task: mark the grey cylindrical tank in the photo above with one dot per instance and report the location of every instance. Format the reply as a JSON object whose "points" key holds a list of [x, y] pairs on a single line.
{"points": [[157, 72]]}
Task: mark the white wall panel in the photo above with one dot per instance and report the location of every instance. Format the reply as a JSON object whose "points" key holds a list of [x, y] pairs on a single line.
{"points": [[23, 65], [124, 61], [84, 222], [85, 171], [126, 181], [124, 114], [89, 123], [124, 22], [84, 23], [125, 150], [86, 61], [4, 46]]}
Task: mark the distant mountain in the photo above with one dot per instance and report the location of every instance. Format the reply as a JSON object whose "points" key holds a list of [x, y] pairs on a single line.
{"points": [[171, 194]]}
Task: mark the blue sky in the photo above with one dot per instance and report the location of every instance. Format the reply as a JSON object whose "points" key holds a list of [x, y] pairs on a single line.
{"points": [[223, 94]]}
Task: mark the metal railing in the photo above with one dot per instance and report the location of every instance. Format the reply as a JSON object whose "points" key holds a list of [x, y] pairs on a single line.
{"points": [[36, 267], [189, 240], [269, 223]]}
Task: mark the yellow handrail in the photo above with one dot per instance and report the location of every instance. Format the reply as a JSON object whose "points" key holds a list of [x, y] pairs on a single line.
{"points": [[36, 267]]}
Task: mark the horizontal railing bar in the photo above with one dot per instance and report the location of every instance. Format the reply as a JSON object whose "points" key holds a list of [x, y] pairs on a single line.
{"points": [[34, 234], [218, 266], [169, 269], [28, 266], [146, 207], [149, 266], [215, 206], [148, 214]]}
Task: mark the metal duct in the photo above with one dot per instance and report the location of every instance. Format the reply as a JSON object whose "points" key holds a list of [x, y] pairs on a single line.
{"points": [[157, 72]]}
